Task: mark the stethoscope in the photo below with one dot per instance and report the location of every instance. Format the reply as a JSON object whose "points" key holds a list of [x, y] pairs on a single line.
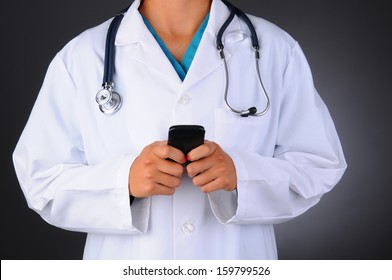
{"points": [[110, 101]]}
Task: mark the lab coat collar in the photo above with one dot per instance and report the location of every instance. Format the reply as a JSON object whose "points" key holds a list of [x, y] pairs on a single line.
{"points": [[131, 29], [134, 31]]}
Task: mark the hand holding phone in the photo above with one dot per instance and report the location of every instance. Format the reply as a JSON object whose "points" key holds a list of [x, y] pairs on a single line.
{"points": [[218, 174], [186, 137]]}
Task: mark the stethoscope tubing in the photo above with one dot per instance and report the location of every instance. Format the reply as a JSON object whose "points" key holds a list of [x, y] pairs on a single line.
{"points": [[110, 101], [110, 48], [252, 111]]}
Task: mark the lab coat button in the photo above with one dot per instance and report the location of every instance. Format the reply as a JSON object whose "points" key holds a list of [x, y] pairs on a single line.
{"points": [[184, 99], [187, 228]]}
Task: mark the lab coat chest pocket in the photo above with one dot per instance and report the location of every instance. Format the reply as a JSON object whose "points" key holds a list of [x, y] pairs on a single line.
{"points": [[241, 133]]}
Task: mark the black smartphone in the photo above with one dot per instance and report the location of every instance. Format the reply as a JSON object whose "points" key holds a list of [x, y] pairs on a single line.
{"points": [[186, 137]]}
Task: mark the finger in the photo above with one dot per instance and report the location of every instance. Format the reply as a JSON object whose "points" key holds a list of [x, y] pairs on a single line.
{"points": [[220, 183], [165, 151], [205, 150], [155, 188], [204, 178], [144, 182], [167, 180], [158, 189], [197, 167], [171, 168]]}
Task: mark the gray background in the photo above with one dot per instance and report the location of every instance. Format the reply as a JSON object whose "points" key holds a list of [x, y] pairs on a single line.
{"points": [[348, 47]]}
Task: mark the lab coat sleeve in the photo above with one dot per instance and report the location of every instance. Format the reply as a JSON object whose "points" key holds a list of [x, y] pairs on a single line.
{"points": [[307, 162], [54, 175]]}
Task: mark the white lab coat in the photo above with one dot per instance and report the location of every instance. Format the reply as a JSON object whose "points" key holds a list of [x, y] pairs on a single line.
{"points": [[73, 162]]}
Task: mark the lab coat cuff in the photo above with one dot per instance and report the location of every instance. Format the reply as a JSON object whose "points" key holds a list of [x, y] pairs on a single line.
{"points": [[224, 204], [135, 216]]}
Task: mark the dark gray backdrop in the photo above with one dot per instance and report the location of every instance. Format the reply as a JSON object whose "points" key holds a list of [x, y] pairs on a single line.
{"points": [[348, 47]]}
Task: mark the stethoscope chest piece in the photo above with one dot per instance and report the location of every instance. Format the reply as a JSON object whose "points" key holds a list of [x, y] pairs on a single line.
{"points": [[108, 100]]}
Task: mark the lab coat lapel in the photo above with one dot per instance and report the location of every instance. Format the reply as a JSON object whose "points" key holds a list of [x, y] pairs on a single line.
{"points": [[207, 58], [145, 49]]}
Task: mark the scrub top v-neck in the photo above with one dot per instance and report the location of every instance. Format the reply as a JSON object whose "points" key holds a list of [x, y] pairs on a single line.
{"points": [[182, 66]]}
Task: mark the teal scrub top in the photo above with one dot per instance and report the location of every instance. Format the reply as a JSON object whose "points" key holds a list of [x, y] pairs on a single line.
{"points": [[182, 66]]}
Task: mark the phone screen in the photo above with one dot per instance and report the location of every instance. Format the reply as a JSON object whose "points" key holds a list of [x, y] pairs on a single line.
{"points": [[186, 137]]}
